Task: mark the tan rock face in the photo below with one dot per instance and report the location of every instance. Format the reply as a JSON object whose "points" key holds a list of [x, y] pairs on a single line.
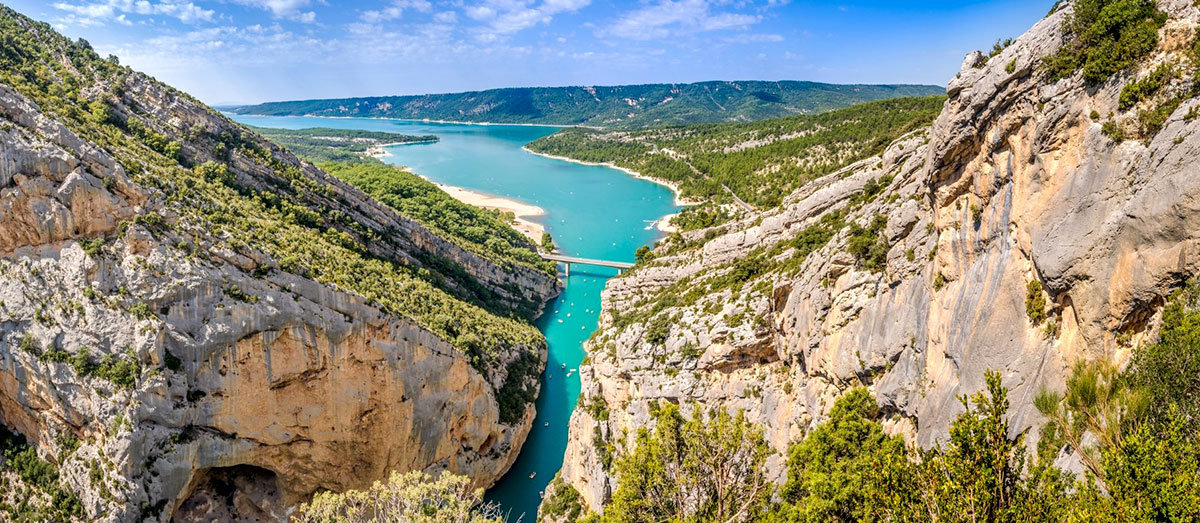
{"points": [[241, 406], [1014, 182]]}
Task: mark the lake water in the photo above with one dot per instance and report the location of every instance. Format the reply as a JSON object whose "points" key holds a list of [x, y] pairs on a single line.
{"points": [[592, 212]]}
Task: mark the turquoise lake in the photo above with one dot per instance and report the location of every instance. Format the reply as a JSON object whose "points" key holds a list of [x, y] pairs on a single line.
{"points": [[592, 212]]}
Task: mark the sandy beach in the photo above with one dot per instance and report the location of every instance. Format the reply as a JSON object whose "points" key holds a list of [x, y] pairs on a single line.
{"points": [[664, 224], [679, 199], [521, 210], [380, 151]]}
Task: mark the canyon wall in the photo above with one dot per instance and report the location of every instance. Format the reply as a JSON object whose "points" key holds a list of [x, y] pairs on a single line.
{"points": [[1018, 195]]}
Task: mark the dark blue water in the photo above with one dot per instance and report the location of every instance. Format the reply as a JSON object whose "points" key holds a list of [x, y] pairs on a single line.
{"points": [[592, 212]]}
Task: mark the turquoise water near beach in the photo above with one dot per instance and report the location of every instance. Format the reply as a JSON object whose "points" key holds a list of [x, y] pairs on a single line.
{"points": [[591, 211]]}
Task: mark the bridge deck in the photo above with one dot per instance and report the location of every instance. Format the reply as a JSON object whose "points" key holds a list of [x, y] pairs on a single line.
{"points": [[586, 261]]}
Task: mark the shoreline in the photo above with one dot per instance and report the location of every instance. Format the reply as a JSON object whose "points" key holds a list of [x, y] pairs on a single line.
{"points": [[380, 150], [680, 201], [521, 210]]}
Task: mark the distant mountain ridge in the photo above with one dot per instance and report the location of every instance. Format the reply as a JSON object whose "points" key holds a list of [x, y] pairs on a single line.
{"points": [[625, 106]]}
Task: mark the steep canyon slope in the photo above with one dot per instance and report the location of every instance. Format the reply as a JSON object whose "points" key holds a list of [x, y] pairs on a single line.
{"points": [[1038, 222], [194, 323]]}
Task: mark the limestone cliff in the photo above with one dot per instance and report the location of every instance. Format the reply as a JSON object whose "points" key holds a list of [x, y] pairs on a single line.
{"points": [[916, 271], [185, 307]]}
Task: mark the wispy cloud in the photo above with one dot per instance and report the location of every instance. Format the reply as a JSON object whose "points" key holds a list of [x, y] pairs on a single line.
{"points": [[289, 9], [395, 10], [99, 12], [666, 18], [503, 18]]}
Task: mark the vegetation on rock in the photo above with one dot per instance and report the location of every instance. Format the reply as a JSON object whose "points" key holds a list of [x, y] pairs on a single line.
{"points": [[760, 162], [415, 497], [1104, 37], [289, 213]]}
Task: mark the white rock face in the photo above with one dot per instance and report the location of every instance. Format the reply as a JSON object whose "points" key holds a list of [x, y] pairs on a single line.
{"points": [[1015, 182], [281, 388]]}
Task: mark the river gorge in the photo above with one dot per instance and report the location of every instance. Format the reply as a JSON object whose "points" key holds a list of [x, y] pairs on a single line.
{"points": [[591, 211]]}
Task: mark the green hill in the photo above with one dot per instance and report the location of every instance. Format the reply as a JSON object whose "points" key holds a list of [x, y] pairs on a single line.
{"points": [[761, 162], [626, 106]]}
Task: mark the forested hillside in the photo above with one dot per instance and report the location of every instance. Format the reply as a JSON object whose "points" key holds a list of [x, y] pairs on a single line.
{"points": [[760, 162], [626, 106]]}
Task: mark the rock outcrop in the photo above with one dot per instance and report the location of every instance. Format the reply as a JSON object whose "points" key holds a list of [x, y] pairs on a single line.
{"points": [[172, 369], [1016, 182]]}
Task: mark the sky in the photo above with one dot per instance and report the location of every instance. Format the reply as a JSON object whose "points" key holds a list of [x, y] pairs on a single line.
{"points": [[245, 51]]}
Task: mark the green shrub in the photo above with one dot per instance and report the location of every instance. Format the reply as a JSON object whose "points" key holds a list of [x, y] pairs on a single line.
{"points": [[869, 245], [1152, 120], [939, 281], [21, 459], [643, 254], [565, 505], [1169, 370], [1113, 131], [658, 329], [1104, 37], [1035, 302], [92, 247], [830, 472], [238, 294], [1139, 90], [141, 310], [707, 468]]}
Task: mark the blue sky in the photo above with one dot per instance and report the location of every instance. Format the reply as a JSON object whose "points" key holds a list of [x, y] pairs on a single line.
{"points": [[240, 51]]}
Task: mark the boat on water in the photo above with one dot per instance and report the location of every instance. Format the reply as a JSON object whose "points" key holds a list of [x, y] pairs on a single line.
{"points": [[532, 474]]}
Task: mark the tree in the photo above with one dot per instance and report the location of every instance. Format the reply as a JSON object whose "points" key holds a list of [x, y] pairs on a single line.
{"points": [[707, 468], [1099, 402], [415, 497], [643, 254], [978, 476], [1169, 370], [547, 242], [837, 470]]}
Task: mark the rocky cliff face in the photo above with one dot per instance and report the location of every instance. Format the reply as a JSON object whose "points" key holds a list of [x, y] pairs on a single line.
{"points": [[171, 367], [928, 265]]}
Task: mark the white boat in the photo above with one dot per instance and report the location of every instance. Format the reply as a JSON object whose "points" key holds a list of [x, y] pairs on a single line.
{"points": [[532, 474]]}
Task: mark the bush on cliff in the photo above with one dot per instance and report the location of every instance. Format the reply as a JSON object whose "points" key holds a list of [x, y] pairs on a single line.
{"points": [[1104, 37], [415, 497]]}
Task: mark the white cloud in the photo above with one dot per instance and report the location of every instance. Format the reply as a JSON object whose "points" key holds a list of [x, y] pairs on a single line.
{"points": [[751, 38], [395, 9], [289, 9], [97, 12], [231, 45], [503, 18], [677, 17]]}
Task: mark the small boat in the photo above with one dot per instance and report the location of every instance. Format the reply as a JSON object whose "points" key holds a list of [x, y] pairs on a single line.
{"points": [[532, 474], [564, 365], [547, 424], [574, 370]]}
